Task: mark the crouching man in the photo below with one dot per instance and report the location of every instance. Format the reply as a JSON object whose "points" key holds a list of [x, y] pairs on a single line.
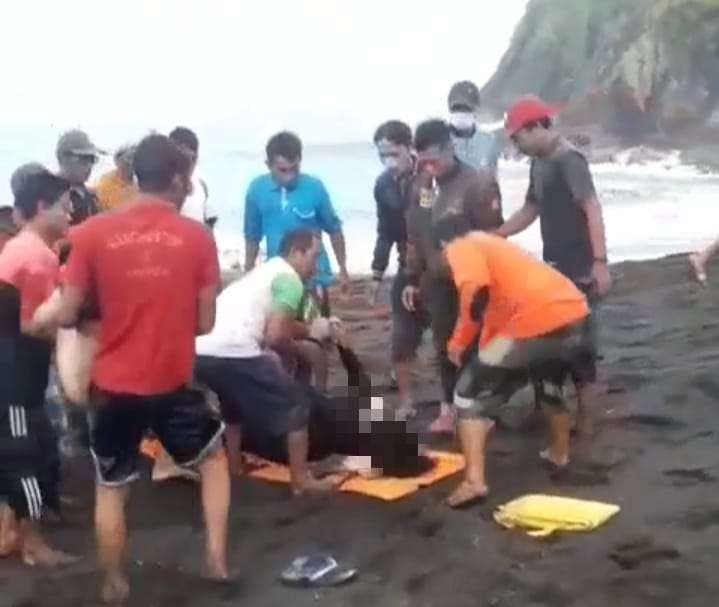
{"points": [[241, 360], [532, 325]]}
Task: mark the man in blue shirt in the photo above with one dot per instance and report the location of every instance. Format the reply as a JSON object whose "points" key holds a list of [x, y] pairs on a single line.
{"points": [[286, 199]]}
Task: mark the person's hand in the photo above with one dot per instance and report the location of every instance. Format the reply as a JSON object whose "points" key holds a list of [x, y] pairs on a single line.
{"points": [[455, 356], [344, 280], [409, 297], [338, 331], [374, 290], [602, 277], [320, 329]]}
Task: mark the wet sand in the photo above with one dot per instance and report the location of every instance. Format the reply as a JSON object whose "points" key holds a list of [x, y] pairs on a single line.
{"points": [[655, 455]]}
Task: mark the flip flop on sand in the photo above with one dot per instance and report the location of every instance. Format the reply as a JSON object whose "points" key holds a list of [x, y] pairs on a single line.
{"points": [[467, 495], [316, 570], [698, 269]]}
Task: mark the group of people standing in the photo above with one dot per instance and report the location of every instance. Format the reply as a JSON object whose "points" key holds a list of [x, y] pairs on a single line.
{"points": [[440, 203], [136, 259]]}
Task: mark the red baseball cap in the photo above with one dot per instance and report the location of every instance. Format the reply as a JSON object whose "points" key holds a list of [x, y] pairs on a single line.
{"points": [[529, 108]]}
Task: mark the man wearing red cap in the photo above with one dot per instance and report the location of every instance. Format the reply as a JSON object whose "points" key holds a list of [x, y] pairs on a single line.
{"points": [[562, 194]]}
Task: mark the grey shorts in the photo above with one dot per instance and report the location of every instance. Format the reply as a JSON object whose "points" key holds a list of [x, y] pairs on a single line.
{"points": [[505, 365], [407, 327]]}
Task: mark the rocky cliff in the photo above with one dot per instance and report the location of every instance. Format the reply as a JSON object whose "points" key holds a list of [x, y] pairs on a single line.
{"points": [[641, 69]]}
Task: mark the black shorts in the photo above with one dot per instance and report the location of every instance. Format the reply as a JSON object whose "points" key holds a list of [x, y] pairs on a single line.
{"points": [[256, 393], [28, 471], [407, 327], [181, 420], [505, 365]]}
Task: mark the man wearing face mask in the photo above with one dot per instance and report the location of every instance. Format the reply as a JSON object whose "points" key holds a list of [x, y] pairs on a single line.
{"points": [[393, 193], [444, 186], [76, 157], [472, 145], [286, 199]]}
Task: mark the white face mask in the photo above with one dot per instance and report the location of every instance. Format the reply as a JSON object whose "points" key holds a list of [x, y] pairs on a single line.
{"points": [[463, 121], [390, 162]]}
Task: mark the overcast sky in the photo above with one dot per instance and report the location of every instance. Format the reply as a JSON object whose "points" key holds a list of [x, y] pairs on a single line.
{"points": [[331, 69]]}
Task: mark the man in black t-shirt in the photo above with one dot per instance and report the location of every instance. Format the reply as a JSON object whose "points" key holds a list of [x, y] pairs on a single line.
{"points": [[562, 194]]}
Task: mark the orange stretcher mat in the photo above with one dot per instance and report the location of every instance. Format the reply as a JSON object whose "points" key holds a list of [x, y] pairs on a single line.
{"points": [[384, 488]]}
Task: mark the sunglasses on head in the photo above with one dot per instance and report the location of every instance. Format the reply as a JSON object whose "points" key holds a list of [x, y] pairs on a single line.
{"points": [[86, 158]]}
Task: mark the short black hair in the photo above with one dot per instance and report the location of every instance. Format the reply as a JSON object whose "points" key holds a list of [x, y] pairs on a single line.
{"points": [[394, 131], [432, 132], [39, 187], [157, 160], [7, 224], [451, 227], [298, 240], [185, 137], [285, 144]]}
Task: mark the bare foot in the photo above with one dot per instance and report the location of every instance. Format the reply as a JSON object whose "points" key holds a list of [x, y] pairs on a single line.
{"points": [[560, 461], [216, 570], [698, 268], [315, 485], [44, 556], [9, 535], [466, 495], [165, 471], [115, 590], [444, 423]]}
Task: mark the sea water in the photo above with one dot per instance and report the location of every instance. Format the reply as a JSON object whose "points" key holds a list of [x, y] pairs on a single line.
{"points": [[650, 210]]}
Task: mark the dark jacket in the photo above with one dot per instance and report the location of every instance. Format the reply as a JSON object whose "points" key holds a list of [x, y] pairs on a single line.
{"points": [[464, 190], [392, 196], [84, 204]]}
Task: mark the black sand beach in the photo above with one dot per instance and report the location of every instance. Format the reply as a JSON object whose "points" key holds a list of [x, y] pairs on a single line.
{"points": [[655, 455]]}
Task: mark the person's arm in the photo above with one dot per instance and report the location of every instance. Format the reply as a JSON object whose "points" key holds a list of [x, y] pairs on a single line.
{"points": [[340, 249], [579, 179], [483, 201], [330, 223], [385, 240], [471, 277], [282, 327], [208, 282], [473, 299], [206, 310], [253, 230], [209, 214], [77, 279], [524, 217], [520, 221]]}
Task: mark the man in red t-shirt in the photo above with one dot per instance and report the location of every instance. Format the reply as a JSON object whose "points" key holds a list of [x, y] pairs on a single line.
{"points": [[30, 463], [154, 277]]}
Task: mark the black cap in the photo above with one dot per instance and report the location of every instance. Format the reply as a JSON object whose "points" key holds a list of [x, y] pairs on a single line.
{"points": [[465, 94]]}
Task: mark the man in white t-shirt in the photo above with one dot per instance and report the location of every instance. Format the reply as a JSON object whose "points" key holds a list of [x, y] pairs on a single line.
{"points": [[196, 205], [256, 321]]}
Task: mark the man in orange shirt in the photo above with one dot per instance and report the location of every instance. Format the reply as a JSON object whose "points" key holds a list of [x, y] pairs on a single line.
{"points": [[117, 186], [531, 320]]}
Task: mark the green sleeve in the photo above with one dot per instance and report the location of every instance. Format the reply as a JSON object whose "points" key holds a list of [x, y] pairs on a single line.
{"points": [[287, 293]]}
